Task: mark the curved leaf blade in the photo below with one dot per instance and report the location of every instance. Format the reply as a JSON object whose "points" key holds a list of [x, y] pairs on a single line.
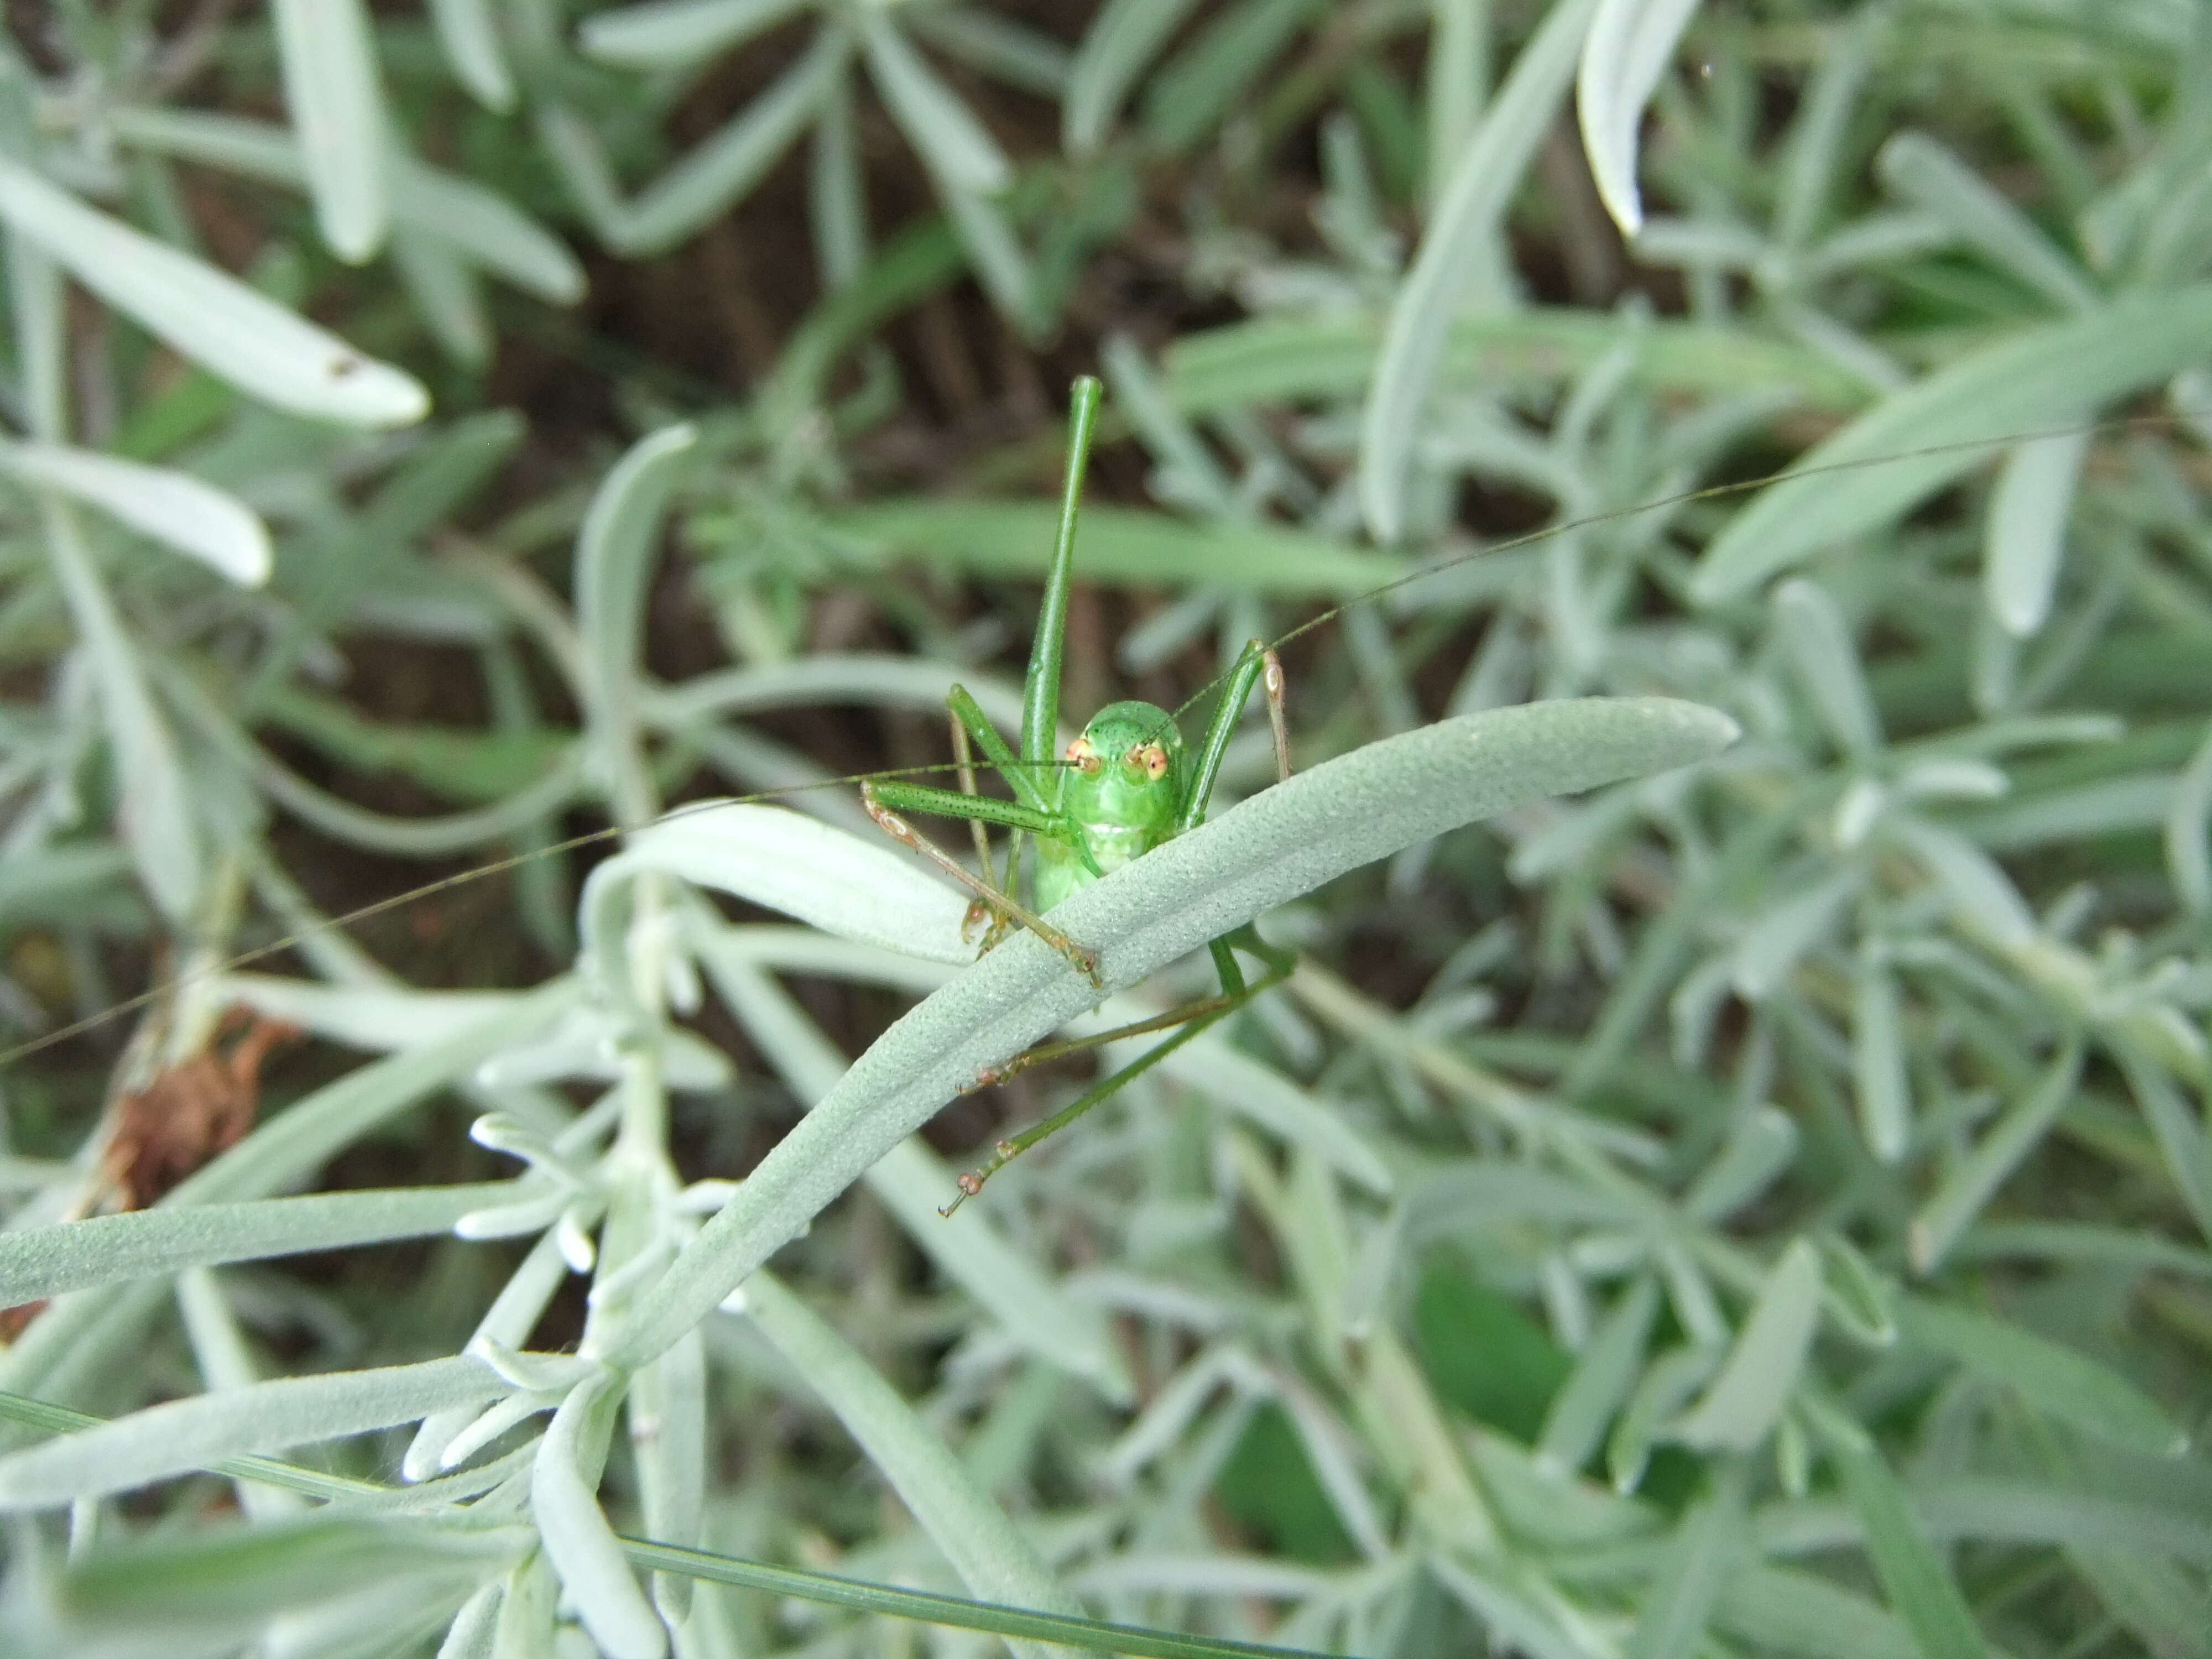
{"points": [[329, 57], [468, 34], [1119, 42], [184, 1435], [994, 1559], [1482, 185], [786, 861], [1280, 843], [1629, 46], [958, 148], [2069, 1385], [2043, 377], [174, 508], [677, 34], [2028, 511], [1746, 1399], [211, 318]]}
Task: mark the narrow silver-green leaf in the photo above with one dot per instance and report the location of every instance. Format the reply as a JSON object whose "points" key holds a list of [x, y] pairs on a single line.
{"points": [[1122, 39], [2039, 381], [211, 318], [1980, 894], [1701, 1558], [959, 149], [1919, 1586], [580, 1544], [44, 1262], [670, 1440], [1933, 179], [468, 33], [528, 1603], [2052, 1378], [1604, 1373], [1975, 1178], [677, 34], [2028, 512], [158, 823], [220, 1569], [970, 1248], [1625, 54], [2188, 824], [1807, 1614], [1744, 1400], [445, 292], [615, 553], [1279, 844], [479, 222], [723, 167], [1019, 54], [1761, 1144], [1821, 655], [2178, 1124], [991, 1557], [1193, 91], [864, 890], [1472, 206], [184, 1435], [332, 87], [487, 229], [1119, 544], [172, 508], [1773, 946], [1880, 1083], [476, 1626]]}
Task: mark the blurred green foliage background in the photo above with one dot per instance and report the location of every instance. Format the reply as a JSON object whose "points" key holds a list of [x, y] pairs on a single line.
{"points": [[1758, 1208]]}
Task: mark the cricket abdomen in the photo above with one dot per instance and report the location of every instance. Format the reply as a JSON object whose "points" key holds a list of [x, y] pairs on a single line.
{"points": [[1061, 870]]}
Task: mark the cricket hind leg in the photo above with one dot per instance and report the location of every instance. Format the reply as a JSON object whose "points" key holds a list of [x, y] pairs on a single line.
{"points": [[1192, 1017]]}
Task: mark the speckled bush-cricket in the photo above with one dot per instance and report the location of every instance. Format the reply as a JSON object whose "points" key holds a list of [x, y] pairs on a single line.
{"points": [[1124, 786]]}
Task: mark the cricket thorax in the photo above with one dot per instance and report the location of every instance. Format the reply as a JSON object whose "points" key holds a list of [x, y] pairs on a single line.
{"points": [[1123, 787]]}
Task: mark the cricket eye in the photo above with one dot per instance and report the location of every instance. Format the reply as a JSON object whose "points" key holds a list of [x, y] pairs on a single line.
{"points": [[1080, 754], [1153, 759]]}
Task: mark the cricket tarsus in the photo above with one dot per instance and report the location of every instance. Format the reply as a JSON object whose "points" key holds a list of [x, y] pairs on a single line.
{"points": [[876, 797]]}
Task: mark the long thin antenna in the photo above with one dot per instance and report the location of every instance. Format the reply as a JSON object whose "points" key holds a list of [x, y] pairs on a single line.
{"points": [[1704, 493]]}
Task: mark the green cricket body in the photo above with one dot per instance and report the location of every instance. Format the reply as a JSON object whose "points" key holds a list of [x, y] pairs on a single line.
{"points": [[1123, 788]]}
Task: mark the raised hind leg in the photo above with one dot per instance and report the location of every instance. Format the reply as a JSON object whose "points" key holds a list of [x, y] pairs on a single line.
{"points": [[1192, 1017]]}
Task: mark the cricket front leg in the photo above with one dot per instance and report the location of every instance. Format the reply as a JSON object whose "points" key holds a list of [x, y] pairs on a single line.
{"points": [[879, 798], [1256, 664]]}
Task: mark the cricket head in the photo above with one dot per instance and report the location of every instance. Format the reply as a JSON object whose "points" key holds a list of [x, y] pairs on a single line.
{"points": [[1127, 773]]}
